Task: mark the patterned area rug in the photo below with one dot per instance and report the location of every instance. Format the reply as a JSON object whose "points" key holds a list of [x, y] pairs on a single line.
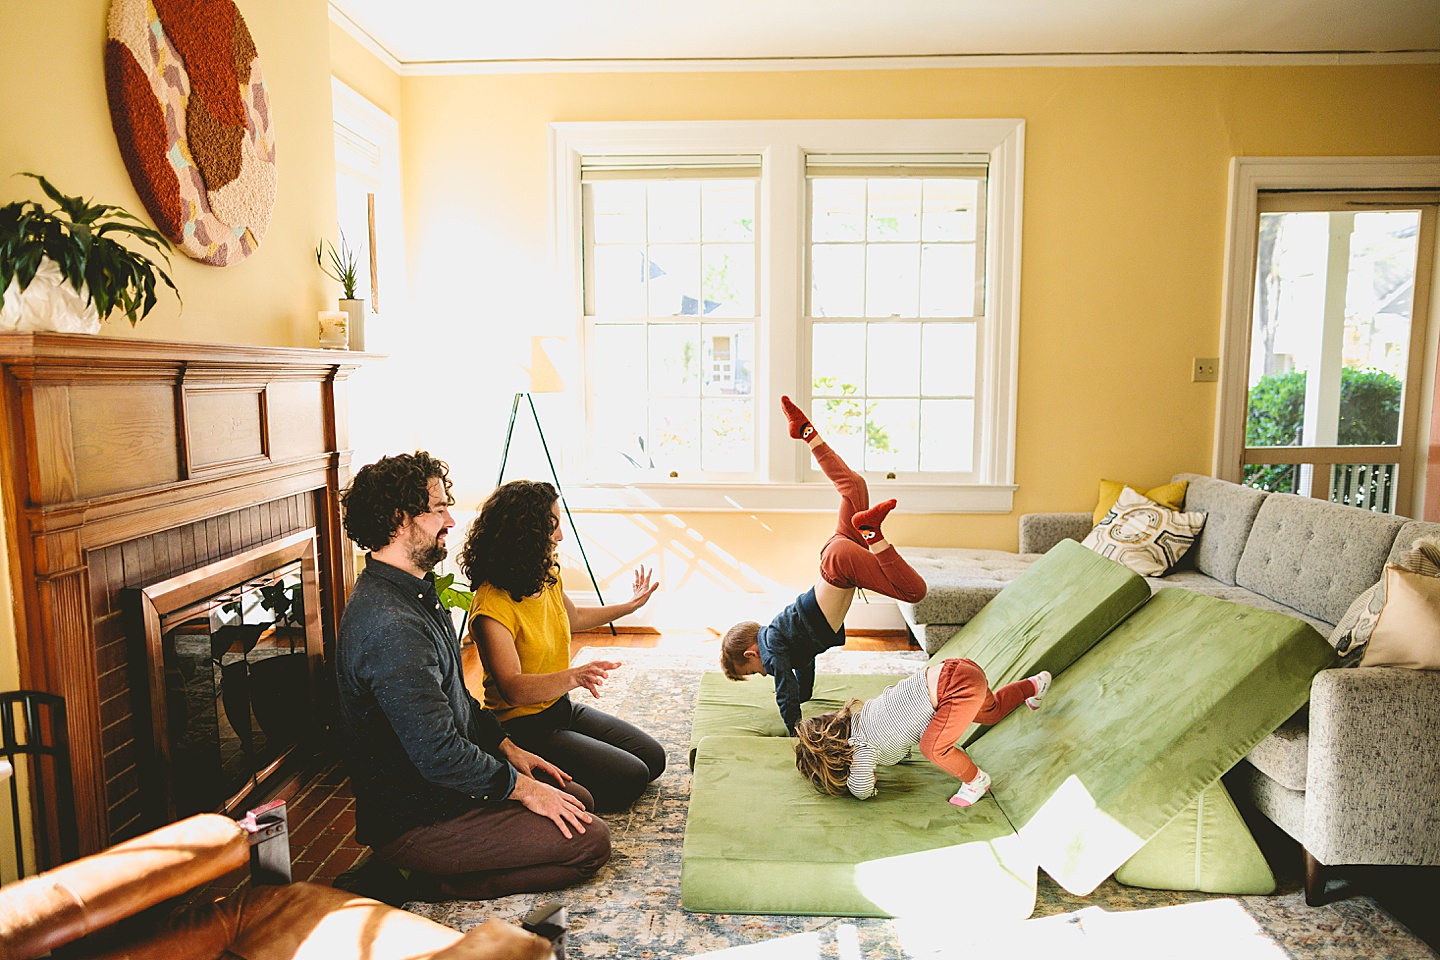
{"points": [[631, 909]]}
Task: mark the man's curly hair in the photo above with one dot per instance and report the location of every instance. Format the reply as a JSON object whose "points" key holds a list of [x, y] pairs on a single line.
{"points": [[384, 494], [509, 543]]}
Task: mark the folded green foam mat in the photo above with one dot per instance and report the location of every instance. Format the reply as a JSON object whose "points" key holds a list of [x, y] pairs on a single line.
{"points": [[760, 839], [1140, 725]]}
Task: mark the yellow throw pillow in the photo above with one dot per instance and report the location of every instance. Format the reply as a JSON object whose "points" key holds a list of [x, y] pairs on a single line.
{"points": [[1408, 631], [1170, 495]]}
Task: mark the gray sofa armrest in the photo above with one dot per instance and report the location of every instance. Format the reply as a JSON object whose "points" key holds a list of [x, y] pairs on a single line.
{"points": [[1041, 531], [1372, 790]]}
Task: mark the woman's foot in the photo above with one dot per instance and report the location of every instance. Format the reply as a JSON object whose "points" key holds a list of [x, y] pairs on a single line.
{"points": [[972, 790], [1042, 683], [800, 426], [868, 522]]}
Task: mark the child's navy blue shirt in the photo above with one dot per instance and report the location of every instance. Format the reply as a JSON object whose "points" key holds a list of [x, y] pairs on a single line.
{"points": [[788, 646]]}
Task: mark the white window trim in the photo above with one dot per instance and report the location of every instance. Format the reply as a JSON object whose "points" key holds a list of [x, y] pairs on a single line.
{"points": [[1249, 176], [783, 145], [352, 108]]}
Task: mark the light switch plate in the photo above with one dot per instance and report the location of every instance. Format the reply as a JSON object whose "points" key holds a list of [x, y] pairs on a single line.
{"points": [[1206, 370]]}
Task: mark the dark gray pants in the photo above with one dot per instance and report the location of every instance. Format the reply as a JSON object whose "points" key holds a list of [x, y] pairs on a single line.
{"points": [[497, 849], [612, 759]]}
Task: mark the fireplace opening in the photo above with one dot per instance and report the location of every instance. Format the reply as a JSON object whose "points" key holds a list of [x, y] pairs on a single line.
{"points": [[232, 655]]}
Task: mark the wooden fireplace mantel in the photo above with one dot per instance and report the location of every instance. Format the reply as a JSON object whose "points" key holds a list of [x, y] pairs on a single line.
{"points": [[125, 461]]}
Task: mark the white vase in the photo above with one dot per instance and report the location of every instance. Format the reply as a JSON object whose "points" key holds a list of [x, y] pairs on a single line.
{"points": [[48, 305], [356, 326]]}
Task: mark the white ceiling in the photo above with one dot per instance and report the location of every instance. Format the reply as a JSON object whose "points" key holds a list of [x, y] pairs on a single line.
{"points": [[417, 32]]}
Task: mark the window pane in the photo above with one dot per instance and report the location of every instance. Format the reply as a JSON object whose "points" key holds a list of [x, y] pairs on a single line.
{"points": [[947, 435], [949, 210], [893, 360], [837, 210], [618, 279], [892, 280], [892, 433], [1370, 486], [675, 435], [617, 211], [673, 211], [842, 423], [837, 281], [729, 440], [729, 358], [727, 210], [1331, 327], [674, 360], [620, 405], [947, 280], [894, 209], [728, 279], [838, 359], [947, 360], [674, 273]]}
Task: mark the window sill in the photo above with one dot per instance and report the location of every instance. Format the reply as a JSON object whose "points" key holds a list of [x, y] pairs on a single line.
{"points": [[597, 497]]}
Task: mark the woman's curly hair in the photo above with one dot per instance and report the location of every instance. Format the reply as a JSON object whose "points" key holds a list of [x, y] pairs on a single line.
{"points": [[385, 493], [822, 749], [509, 543]]}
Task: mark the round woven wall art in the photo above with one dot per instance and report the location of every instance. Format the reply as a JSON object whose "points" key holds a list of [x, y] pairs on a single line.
{"points": [[193, 121]]}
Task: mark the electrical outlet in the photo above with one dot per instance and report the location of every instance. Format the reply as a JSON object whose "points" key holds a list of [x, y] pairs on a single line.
{"points": [[1206, 370]]}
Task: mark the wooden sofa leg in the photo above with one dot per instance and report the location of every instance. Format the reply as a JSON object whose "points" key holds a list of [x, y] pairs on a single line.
{"points": [[1314, 880]]}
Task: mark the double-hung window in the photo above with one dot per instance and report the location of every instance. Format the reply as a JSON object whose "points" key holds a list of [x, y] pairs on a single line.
{"points": [[868, 269]]}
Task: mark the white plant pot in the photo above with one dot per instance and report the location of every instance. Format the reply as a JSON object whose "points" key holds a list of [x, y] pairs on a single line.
{"points": [[356, 326], [48, 305]]}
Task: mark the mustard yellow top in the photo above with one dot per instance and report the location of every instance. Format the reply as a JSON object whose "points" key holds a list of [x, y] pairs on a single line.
{"points": [[542, 638]]}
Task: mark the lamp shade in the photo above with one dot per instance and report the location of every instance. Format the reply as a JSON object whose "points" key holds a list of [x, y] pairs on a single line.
{"points": [[544, 377]]}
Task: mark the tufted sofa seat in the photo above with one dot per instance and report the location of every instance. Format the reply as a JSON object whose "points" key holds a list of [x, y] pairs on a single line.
{"points": [[1322, 777]]}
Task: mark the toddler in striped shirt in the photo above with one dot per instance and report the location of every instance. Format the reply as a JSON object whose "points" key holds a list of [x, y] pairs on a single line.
{"points": [[932, 708]]}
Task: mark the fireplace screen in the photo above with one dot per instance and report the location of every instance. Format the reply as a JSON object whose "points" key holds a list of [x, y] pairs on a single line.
{"points": [[232, 653]]}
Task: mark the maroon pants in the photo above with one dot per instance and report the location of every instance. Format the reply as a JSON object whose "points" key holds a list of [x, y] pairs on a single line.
{"points": [[845, 561], [965, 698], [497, 849]]}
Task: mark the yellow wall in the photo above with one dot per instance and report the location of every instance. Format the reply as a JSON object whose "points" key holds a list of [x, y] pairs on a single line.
{"points": [[54, 120], [1125, 204]]}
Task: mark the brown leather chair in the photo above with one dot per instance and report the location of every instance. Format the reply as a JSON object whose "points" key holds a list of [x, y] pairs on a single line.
{"points": [[300, 921]]}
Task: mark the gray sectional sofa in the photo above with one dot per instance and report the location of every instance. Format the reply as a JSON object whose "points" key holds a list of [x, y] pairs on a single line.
{"points": [[1355, 776]]}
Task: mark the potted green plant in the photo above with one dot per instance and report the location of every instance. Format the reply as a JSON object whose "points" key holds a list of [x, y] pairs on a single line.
{"points": [[65, 270], [343, 266]]}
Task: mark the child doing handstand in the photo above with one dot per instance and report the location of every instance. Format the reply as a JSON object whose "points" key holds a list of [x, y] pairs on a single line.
{"points": [[855, 556], [932, 708]]}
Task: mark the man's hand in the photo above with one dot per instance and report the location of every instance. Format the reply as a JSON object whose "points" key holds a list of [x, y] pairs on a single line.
{"points": [[527, 763], [643, 590], [564, 809], [591, 675]]}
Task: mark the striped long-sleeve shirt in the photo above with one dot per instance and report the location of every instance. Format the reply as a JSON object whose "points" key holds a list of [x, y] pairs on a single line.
{"points": [[885, 729]]}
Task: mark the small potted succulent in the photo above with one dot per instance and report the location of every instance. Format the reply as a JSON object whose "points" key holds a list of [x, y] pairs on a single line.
{"points": [[343, 266], [64, 269]]}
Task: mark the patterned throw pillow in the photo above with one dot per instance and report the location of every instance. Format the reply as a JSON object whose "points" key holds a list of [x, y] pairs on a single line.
{"points": [[1147, 537], [1352, 633]]}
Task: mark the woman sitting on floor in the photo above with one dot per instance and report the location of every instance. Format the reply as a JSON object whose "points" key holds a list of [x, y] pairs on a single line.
{"points": [[521, 621]]}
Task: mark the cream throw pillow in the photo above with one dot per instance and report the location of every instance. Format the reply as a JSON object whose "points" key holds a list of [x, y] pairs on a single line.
{"points": [[1354, 630], [1145, 536], [1407, 634]]}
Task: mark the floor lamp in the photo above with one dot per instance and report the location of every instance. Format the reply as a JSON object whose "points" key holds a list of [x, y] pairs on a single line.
{"points": [[544, 378]]}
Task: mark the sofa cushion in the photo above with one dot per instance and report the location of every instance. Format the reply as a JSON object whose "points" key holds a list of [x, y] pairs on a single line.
{"points": [[1284, 756], [959, 581], [1405, 540], [1207, 847], [1198, 582], [1230, 510], [1148, 537], [760, 839], [1135, 729]]}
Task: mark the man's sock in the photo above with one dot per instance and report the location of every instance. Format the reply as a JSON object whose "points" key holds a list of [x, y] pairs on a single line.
{"points": [[868, 522], [800, 426]]}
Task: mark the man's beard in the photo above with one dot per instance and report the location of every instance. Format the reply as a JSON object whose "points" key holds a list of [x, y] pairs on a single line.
{"points": [[427, 556]]}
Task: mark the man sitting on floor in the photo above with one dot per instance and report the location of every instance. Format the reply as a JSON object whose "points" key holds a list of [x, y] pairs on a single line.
{"points": [[441, 793]]}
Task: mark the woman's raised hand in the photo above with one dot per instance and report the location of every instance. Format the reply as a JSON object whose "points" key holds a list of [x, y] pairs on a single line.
{"points": [[591, 675], [644, 588]]}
